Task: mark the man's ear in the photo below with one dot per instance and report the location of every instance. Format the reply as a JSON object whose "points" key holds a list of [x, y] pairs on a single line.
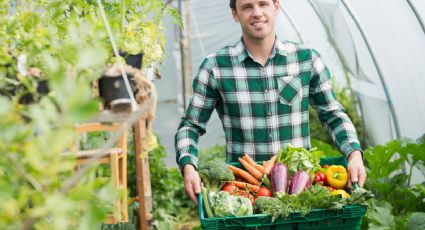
{"points": [[277, 6], [235, 15]]}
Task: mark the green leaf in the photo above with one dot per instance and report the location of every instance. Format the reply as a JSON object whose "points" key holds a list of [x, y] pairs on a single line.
{"points": [[5, 106], [90, 57], [380, 216], [416, 221]]}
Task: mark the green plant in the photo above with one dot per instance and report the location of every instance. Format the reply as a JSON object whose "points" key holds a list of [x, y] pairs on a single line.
{"points": [[39, 188], [138, 26], [348, 102], [214, 152], [390, 167], [35, 186], [167, 184], [328, 149]]}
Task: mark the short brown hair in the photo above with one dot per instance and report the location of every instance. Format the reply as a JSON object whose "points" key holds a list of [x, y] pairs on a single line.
{"points": [[232, 4]]}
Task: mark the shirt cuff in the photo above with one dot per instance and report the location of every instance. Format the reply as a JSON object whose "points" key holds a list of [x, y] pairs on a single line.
{"points": [[186, 160], [348, 148]]}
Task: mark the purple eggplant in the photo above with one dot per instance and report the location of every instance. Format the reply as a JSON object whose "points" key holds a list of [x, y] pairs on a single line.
{"points": [[300, 182], [279, 178]]}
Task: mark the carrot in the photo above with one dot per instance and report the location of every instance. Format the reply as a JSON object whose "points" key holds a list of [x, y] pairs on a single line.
{"points": [[244, 175], [269, 165], [257, 174], [247, 158], [244, 185]]}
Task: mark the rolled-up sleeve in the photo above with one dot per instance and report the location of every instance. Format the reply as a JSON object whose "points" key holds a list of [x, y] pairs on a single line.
{"points": [[331, 114], [193, 124]]}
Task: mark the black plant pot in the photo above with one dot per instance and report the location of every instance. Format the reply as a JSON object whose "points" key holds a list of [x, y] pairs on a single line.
{"points": [[42, 88], [134, 60], [113, 88]]}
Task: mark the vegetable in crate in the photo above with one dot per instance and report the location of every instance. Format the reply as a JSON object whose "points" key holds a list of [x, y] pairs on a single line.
{"points": [[336, 175], [279, 178], [320, 178], [341, 192], [300, 182], [263, 191], [214, 174], [223, 204], [297, 159], [231, 188]]}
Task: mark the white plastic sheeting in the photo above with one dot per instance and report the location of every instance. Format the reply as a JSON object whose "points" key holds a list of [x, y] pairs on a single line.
{"points": [[392, 31]]}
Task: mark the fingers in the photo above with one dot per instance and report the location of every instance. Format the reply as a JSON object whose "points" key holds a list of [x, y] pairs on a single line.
{"points": [[352, 177], [356, 170], [362, 178], [192, 183], [191, 192]]}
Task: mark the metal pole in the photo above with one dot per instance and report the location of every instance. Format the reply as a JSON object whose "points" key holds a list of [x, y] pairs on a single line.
{"points": [[340, 56], [416, 12], [378, 67]]}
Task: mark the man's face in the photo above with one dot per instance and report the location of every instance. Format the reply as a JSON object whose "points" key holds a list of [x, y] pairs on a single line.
{"points": [[257, 17]]}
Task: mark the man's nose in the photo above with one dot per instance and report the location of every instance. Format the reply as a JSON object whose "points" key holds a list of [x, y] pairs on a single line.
{"points": [[257, 11]]}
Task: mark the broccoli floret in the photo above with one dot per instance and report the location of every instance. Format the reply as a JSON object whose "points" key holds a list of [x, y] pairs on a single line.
{"points": [[214, 174], [263, 204]]}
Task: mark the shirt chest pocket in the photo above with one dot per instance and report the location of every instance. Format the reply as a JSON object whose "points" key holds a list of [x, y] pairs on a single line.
{"points": [[290, 89]]}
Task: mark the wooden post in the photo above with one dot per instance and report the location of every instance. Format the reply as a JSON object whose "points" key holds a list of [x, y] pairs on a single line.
{"points": [[185, 52], [143, 176]]}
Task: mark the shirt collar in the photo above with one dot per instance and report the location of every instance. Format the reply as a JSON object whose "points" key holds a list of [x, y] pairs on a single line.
{"points": [[242, 53]]}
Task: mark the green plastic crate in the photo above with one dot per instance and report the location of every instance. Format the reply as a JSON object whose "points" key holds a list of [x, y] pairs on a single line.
{"points": [[349, 217]]}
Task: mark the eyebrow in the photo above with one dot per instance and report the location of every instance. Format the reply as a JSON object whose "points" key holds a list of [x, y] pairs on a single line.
{"points": [[250, 4]]}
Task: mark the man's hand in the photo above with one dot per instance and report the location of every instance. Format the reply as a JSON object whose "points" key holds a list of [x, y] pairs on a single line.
{"points": [[192, 182], [356, 170]]}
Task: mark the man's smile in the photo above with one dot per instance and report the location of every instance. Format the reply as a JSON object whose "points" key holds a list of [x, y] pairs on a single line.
{"points": [[258, 24]]}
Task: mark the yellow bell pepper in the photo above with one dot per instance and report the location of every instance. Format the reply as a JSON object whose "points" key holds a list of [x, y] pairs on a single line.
{"points": [[340, 192], [336, 176]]}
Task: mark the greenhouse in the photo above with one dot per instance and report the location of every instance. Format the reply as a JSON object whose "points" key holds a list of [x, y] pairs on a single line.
{"points": [[102, 104]]}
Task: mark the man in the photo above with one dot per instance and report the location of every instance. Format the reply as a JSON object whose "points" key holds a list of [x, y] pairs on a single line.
{"points": [[261, 89]]}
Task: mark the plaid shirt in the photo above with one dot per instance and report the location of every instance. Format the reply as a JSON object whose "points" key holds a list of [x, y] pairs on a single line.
{"points": [[262, 108]]}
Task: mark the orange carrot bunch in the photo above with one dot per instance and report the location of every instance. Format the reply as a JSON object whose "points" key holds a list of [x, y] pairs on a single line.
{"points": [[254, 173]]}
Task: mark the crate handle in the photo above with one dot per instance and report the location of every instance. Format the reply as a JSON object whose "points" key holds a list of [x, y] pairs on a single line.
{"points": [[200, 206]]}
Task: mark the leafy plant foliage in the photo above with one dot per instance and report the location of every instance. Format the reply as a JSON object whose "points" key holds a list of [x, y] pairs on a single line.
{"points": [[170, 203], [398, 203]]}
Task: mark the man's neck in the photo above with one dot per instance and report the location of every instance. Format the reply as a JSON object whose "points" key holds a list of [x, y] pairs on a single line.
{"points": [[260, 49]]}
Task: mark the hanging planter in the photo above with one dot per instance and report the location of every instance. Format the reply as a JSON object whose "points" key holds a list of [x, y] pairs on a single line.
{"points": [[42, 89], [134, 60], [112, 89]]}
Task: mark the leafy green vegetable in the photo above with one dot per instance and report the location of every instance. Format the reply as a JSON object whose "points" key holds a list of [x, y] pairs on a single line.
{"points": [[206, 201], [297, 159], [268, 205], [315, 197], [214, 174], [224, 204], [360, 196]]}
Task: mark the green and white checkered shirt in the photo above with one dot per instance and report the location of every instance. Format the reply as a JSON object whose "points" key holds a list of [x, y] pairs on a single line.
{"points": [[262, 108]]}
